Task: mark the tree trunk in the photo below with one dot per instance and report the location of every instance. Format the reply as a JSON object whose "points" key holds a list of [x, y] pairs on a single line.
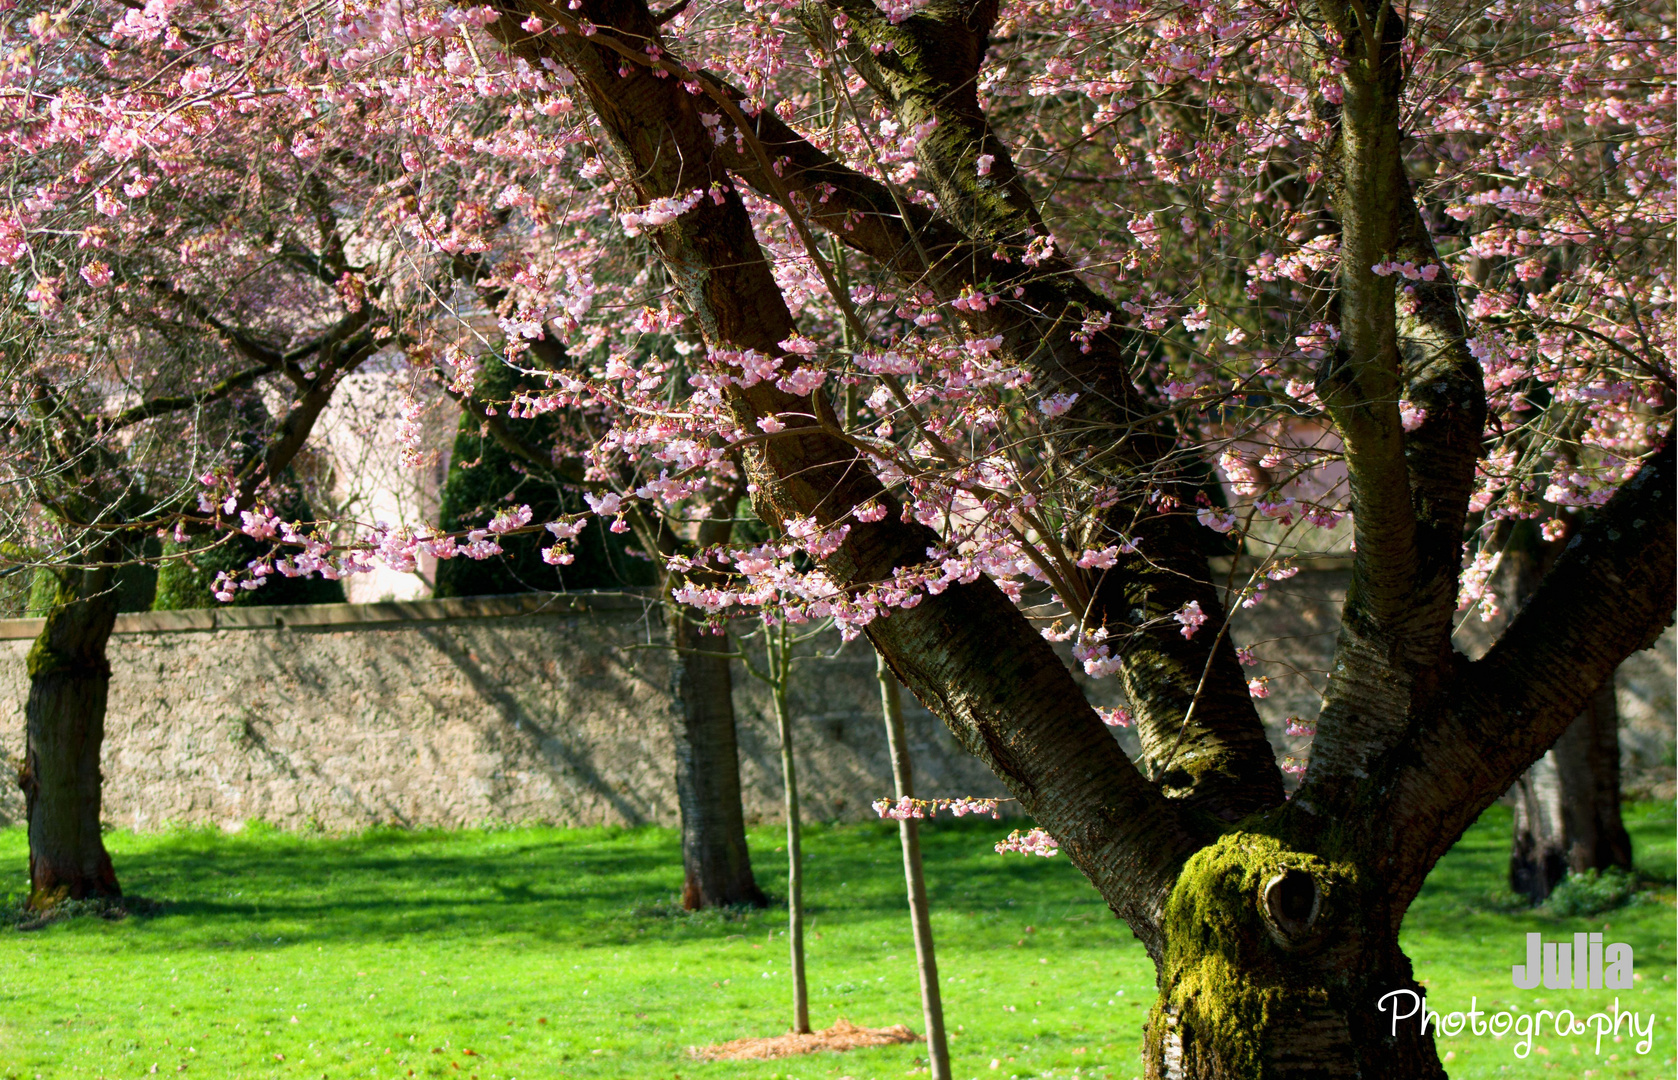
{"points": [[920, 912], [1567, 806], [69, 677], [1281, 963], [716, 865]]}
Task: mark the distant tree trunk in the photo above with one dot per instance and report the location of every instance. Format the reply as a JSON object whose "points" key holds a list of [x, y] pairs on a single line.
{"points": [[1567, 806], [69, 677], [920, 912], [716, 864]]}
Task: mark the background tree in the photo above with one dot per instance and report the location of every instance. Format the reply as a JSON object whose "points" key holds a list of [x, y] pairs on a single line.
{"points": [[1567, 806], [171, 277], [717, 870]]}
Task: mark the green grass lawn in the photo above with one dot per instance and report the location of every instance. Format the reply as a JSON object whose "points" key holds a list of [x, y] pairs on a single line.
{"points": [[559, 953]]}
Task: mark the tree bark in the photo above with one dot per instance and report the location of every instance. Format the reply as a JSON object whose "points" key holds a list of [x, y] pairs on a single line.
{"points": [[1277, 964], [1567, 806], [716, 864], [69, 678], [920, 912]]}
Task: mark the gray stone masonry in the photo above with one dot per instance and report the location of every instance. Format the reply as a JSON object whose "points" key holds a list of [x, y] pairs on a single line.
{"points": [[556, 709]]}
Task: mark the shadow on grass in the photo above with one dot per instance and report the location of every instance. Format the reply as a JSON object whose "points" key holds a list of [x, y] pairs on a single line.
{"points": [[593, 887], [259, 887]]}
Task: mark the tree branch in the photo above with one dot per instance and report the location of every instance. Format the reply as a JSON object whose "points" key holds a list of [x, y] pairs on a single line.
{"points": [[150, 410], [1443, 378], [1609, 594], [1222, 761]]}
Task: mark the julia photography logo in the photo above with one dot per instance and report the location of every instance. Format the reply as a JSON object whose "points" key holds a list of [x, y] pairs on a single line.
{"points": [[1585, 963]]}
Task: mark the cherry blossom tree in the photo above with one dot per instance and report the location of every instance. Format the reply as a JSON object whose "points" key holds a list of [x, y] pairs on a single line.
{"points": [[189, 295], [974, 299]]}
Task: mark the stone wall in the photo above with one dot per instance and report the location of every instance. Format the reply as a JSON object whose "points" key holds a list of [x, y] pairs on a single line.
{"points": [[557, 709], [450, 712]]}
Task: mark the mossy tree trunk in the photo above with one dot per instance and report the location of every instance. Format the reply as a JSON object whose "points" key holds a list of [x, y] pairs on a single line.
{"points": [[1273, 923], [69, 678], [1275, 962]]}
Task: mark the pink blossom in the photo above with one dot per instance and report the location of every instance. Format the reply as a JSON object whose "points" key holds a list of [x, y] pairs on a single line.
{"points": [[1117, 717], [604, 505], [97, 274], [1191, 617], [659, 212], [260, 524], [107, 204], [1035, 842], [196, 79], [1146, 231], [800, 345], [1216, 520], [872, 511], [479, 546], [802, 381], [1056, 404]]}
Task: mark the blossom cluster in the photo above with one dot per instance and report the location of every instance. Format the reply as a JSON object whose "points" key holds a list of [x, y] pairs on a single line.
{"points": [[1034, 842], [907, 808]]}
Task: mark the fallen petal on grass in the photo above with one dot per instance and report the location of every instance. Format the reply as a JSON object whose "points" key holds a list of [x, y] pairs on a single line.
{"points": [[843, 1035]]}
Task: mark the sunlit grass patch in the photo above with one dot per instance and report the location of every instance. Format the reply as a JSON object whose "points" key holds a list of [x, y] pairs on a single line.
{"points": [[551, 952]]}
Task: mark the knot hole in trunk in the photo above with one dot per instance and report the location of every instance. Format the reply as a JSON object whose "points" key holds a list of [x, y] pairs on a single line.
{"points": [[1292, 903]]}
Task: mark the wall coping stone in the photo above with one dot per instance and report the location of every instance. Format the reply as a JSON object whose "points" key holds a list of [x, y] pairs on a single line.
{"points": [[349, 616]]}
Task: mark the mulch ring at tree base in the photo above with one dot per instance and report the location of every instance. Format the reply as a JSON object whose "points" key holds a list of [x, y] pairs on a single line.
{"points": [[843, 1035]]}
